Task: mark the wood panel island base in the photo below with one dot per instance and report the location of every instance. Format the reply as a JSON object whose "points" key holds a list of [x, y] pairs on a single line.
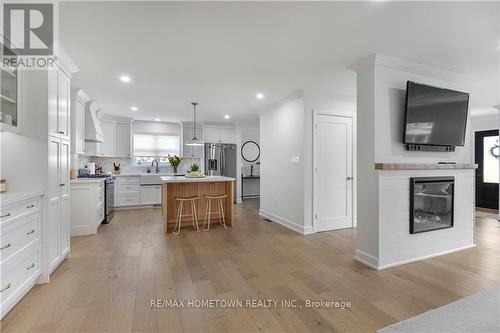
{"points": [[174, 187]]}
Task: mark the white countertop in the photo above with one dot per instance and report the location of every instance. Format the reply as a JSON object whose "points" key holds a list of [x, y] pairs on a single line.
{"points": [[8, 198], [182, 179], [142, 174], [86, 180]]}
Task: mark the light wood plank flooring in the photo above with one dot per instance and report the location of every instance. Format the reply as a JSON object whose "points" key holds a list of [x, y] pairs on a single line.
{"points": [[111, 278]]}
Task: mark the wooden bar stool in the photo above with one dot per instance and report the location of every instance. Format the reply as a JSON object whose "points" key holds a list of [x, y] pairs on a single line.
{"points": [[208, 211], [180, 202]]}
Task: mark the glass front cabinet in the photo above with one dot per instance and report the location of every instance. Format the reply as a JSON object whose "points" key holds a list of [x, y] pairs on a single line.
{"points": [[10, 109]]}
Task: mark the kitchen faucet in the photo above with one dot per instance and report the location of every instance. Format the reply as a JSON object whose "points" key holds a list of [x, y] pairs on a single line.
{"points": [[157, 167]]}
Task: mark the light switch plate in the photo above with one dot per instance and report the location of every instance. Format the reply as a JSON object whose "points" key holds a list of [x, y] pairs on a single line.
{"points": [[295, 159]]}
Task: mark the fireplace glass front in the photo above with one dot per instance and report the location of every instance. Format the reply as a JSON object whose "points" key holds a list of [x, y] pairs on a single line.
{"points": [[431, 203]]}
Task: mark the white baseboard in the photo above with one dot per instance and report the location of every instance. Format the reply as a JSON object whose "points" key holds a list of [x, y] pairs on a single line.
{"points": [[366, 258], [373, 262], [286, 223], [402, 262]]}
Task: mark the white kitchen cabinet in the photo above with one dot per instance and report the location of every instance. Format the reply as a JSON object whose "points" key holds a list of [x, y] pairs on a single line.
{"points": [[108, 142], [59, 104], [127, 191], [20, 238], [192, 151], [122, 140], [78, 100], [219, 134], [58, 197], [150, 194], [87, 206], [79, 130], [10, 96]]}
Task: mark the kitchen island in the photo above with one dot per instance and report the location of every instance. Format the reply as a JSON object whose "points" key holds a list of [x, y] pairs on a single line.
{"points": [[181, 186]]}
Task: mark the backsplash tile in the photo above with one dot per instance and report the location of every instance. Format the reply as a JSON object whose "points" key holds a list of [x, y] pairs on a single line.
{"points": [[127, 167]]}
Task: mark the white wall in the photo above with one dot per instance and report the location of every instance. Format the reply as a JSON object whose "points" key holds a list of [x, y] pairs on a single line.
{"points": [[282, 183], [156, 127], [383, 196], [324, 102], [23, 157]]}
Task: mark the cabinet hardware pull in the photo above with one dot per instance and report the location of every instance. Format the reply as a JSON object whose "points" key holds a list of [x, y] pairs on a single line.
{"points": [[62, 184], [30, 232], [61, 132], [30, 267], [5, 246], [30, 206], [5, 215], [4, 289]]}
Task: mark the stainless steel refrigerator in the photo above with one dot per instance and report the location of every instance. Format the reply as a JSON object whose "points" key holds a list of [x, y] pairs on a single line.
{"points": [[220, 160]]}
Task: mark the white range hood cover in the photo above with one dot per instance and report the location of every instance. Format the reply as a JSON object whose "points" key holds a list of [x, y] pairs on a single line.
{"points": [[93, 132]]}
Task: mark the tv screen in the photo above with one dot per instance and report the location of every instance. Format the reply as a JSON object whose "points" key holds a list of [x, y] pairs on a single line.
{"points": [[435, 116]]}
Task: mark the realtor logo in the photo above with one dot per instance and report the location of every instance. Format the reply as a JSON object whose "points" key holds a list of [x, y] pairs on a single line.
{"points": [[31, 26]]}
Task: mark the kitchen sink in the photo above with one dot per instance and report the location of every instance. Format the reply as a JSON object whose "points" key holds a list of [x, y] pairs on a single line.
{"points": [[151, 179]]}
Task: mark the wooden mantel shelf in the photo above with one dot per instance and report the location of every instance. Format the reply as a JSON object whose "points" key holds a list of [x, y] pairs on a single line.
{"points": [[423, 166]]}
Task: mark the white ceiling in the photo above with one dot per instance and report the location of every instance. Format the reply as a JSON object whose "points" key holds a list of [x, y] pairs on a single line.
{"points": [[222, 54]]}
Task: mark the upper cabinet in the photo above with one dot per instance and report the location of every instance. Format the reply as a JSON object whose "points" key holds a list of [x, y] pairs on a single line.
{"points": [[59, 104], [108, 142], [219, 134], [10, 88], [78, 100], [122, 140], [115, 135]]}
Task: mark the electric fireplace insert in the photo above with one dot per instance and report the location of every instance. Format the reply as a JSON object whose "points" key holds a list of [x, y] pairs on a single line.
{"points": [[431, 203]]}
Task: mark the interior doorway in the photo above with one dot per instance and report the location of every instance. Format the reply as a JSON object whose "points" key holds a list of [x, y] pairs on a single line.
{"points": [[487, 154]]}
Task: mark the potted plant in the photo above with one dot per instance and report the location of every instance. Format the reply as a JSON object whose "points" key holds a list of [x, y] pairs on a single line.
{"points": [[194, 171], [174, 162]]}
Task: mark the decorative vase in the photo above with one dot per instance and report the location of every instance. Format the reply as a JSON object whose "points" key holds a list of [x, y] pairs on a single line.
{"points": [[175, 168]]}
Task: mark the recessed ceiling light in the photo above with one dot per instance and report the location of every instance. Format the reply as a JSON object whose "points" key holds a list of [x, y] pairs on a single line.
{"points": [[125, 78], [260, 95], [134, 108], [227, 116], [157, 119]]}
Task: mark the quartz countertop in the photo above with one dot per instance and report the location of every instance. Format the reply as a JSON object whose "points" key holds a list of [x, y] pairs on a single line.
{"points": [[86, 180], [183, 179], [8, 198]]}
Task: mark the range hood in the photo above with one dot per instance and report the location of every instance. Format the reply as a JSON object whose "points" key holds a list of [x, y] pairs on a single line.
{"points": [[93, 132]]}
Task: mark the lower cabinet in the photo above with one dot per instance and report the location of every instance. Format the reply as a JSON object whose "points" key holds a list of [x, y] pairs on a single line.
{"points": [[151, 195], [87, 206], [20, 248], [129, 192]]}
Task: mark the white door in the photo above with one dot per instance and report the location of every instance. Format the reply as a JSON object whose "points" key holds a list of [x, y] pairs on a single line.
{"points": [[333, 173]]}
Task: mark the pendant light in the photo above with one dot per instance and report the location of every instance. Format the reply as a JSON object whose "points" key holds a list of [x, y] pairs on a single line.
{"points": [[194, 141]]}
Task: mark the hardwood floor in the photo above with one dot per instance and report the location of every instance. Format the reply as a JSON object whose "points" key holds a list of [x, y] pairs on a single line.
{"points": [[111, 278]]}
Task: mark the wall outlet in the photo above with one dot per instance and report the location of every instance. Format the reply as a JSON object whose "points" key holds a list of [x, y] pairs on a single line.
{"points": [[295, 159]]}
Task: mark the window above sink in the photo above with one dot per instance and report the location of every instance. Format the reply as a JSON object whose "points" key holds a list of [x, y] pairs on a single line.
{"points": [[148, 147]]}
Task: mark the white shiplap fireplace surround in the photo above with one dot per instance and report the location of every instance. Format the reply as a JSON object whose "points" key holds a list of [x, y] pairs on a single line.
{"points": [[385, 167]]}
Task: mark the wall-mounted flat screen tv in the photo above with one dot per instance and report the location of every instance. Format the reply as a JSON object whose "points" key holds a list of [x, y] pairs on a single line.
{"points": [[435, 116]]}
